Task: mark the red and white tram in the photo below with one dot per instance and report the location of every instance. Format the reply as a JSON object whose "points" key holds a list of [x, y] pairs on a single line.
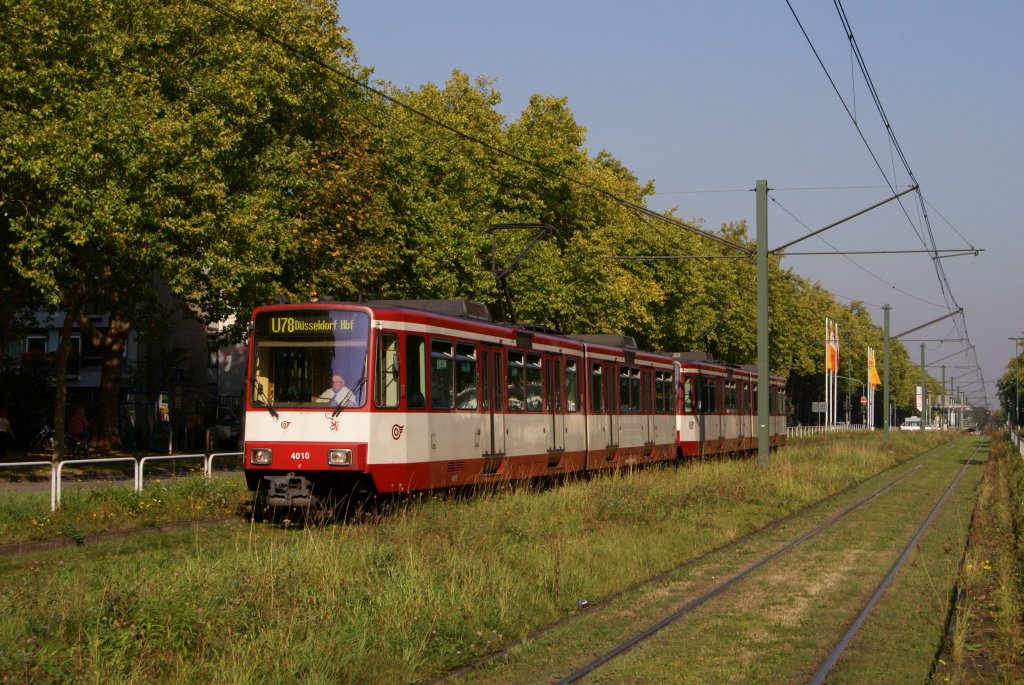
{"points": [[404, 396], [718, 407]]}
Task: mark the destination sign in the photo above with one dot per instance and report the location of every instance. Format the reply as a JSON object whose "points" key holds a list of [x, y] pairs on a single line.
{"points": [[311, 325]]}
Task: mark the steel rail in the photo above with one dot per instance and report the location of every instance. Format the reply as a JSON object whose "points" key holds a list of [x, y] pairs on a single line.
{"points": [[722, 587], [829, 662], [653, 580]]}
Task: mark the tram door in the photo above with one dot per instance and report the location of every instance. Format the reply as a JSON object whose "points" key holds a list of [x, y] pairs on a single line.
{"points": [[743, 411], [611, 403], [492, 382], [555, 403], [647, 394]]}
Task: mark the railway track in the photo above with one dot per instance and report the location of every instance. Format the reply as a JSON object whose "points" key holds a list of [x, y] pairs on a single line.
{"points": [[663, 602]]}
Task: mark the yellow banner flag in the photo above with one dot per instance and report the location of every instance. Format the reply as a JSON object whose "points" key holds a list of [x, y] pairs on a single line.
{"points": [[873, 378], [831, 346]]}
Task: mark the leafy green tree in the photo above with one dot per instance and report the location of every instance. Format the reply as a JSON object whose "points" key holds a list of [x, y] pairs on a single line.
{"points": [[1010, 389], [443, 191], [147, 141]]}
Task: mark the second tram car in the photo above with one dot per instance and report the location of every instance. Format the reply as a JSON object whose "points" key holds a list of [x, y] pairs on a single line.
{"points": [[413, 395]]}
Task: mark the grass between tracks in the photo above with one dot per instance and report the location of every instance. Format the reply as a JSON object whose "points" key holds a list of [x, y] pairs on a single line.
{"points": [[777, 624], [428, 587], [985, 637]]}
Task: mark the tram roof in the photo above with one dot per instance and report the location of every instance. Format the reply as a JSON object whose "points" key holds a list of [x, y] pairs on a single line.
{"points": [[465, 309]]}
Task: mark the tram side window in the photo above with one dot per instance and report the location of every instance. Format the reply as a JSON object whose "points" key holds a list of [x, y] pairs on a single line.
{"points": [[415, 372], [629, 389], [385, 389], [730, 396], [596, 389], [663, 392], [708, 396], [572, 386], [634, 389], [687, 395], [646, 380], [442, 379], [534, 383], [780, 409], [624, 389], [515, 380], [465, 376]]}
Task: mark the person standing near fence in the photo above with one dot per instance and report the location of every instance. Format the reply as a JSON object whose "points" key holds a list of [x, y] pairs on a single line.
{"points": [[6, 433]]}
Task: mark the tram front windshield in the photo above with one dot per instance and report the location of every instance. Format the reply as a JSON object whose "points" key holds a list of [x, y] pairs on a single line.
{"points": [[310, 358]]}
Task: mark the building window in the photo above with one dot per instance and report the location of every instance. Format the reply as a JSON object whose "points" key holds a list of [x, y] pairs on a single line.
{"points": [[35, 344]]}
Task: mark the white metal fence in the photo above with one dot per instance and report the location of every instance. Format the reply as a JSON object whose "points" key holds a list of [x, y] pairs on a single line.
{"points": [[138, 468], [804, 431]]}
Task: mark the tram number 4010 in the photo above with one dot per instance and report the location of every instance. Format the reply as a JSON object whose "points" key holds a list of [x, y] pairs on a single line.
{"points": [[300, 456]]}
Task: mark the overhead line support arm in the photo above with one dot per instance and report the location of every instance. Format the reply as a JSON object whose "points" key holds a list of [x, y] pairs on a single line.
{"points": [[780, 248], [953, 313]]}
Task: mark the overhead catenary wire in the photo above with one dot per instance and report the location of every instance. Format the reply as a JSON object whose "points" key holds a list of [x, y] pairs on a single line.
{"points": [[894, 142], [852, 261], [330, 68], [926, 237], [792, 189], [943, 282], [644, 211]]}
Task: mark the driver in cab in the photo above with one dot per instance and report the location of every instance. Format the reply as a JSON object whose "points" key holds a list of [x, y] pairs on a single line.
{"points": [[339, 395]]}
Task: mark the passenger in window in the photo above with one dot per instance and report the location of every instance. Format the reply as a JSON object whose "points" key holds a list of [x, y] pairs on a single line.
{"points": [[339, 395]]}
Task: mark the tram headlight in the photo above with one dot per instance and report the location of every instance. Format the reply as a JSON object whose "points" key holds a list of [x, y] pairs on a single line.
{"points": [[339, 457], [260, 455]]}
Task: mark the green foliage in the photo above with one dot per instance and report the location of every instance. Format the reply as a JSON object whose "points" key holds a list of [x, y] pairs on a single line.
{"points": [[146, 140], [1009, 389], [151, 140]]}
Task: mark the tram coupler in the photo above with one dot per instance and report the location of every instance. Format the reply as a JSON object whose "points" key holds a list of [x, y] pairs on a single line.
{"points": [[288, 491]]}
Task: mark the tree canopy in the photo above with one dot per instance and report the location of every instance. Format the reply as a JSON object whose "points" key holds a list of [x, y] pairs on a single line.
{"points": [[164, 142]]}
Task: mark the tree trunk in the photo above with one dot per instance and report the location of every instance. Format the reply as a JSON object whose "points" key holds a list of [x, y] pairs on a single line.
{"points": [[111, 343], [72, 301], [110, 386]]}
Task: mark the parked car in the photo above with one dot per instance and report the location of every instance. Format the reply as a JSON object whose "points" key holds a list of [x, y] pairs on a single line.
{"points": [[911, 423]]}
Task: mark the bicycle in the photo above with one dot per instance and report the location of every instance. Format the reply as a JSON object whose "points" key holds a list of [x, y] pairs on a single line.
{"points": [[44, 443]]}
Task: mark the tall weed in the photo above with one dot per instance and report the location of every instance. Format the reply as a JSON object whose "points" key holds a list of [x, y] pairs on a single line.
{"points": [[428, 586]]}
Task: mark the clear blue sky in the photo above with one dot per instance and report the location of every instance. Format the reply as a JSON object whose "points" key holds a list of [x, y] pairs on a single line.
{"points": [[706, 97]]}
